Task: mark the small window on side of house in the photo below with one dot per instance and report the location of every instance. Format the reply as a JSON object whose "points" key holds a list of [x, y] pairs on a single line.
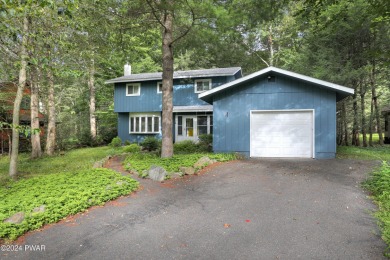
{"points": [[133, 89], [202, 85], [159, 87]]}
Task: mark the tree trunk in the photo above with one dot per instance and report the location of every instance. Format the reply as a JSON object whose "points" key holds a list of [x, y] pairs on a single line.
{"points": [[51, 126], [370, 126], [345, 123], [13, 166], [271, 46], [362, 108], [167, 81], [376, 106], [36, 150], [92, 101], [355, 127]]}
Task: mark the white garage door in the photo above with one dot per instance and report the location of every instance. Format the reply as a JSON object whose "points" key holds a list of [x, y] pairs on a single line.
{"points": [[281, 133]]}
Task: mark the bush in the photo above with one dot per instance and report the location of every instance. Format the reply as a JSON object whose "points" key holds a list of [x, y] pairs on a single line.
{"points": [[150, 143], [132, 148], [116, 142], [206, 142], [185, 147]]}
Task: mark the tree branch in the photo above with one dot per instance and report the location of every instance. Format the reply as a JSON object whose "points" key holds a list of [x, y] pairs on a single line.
{"points": [[155, 14], [188, 28]]}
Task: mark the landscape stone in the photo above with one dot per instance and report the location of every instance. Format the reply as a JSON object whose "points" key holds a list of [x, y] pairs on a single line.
{"points": [[202, 162], [187, 170], [39, 209], [176, 175], [157, 173], [16, 218]]}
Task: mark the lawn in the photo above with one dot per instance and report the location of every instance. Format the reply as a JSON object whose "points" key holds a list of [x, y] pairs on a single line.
{"points": [[63, 185]]}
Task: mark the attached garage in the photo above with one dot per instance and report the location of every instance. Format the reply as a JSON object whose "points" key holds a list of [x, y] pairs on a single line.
{"points": [[276, 113], [281, 133]]}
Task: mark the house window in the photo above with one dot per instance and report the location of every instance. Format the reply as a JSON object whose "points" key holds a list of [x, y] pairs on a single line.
{"points": [[133, 89], [205, 125], [180, 125], [202, 85], [148, 123], [159, 87]]}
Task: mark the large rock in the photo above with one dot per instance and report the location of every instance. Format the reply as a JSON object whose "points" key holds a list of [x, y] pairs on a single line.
{"points": [[187, 170], [157, 173], [39, 209], [202, 162], [16, 218]]}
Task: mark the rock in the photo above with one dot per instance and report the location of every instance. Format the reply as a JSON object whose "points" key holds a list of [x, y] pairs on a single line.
{"points": [[157, 173], [202, 162], [176, 175], [98, 164], [16, 218], [187, 170], [39, 209], [120, 183]]}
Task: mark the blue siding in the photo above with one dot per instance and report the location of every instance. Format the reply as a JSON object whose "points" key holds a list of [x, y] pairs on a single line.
{"points": [[150, 101], [232, 112]]}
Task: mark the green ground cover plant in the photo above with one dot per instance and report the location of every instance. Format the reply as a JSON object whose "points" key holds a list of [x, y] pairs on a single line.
{"points": [[381, 153], [141, 162], [379, 186], [62, 194]]}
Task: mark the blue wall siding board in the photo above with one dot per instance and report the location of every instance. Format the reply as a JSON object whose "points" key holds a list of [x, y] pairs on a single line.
{"points": [[150, 101], [232, 133]]}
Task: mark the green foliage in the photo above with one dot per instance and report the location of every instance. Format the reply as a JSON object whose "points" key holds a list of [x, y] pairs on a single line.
{"points": [[379, 185], [186, 147], [116, 142], [70, 161], [206, 142], [150, 143], [140, 162], [364, 153], [62, 194], [132, 148]]}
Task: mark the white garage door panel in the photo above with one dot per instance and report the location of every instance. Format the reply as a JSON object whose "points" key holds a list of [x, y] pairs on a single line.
{"points": [[282, 134]]}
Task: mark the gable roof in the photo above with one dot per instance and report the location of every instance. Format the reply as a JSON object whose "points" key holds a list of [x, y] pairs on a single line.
{"points": [[342, 92], [178, 75]]}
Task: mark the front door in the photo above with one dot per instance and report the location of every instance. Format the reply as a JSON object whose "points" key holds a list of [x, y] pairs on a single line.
{"points": [[186, 128]]}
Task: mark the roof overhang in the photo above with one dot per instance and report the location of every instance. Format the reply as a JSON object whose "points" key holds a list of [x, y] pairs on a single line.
{"points": [[182, 109], [342, 92], [217, 72]]}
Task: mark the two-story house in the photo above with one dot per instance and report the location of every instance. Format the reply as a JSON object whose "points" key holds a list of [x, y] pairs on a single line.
{"points": [[269, 113], [138, 102]]}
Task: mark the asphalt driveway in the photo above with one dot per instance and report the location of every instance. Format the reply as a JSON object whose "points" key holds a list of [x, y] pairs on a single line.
{"points": [[254, 209]]}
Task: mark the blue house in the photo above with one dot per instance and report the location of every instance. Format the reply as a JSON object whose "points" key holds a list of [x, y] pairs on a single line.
{"points": [[138, 102], [270, 113]]}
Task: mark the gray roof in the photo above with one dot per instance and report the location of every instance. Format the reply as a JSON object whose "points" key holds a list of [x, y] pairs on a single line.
{"points": [[178, 75], [341, 91]]}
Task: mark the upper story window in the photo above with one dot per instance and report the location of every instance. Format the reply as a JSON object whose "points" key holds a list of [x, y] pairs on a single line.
{"points": [[133, 89], [202, 85], [159, 87]]}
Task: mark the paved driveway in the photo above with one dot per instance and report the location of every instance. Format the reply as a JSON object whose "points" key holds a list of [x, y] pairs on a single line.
{"points": [[255, 209]]}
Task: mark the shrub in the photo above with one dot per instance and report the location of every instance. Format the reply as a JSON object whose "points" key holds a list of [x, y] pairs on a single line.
{"points": [[186, 146], [150, 143], [116, 142], [132, 148], [127, 142], [206, 142]]}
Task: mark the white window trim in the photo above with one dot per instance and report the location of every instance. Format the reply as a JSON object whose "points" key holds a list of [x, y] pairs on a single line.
{"points": [[133, 84], [145, 115], [202, 80], [158, 83]]}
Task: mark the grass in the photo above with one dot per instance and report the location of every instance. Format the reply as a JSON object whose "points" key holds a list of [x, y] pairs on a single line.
{"points": [[74, 160], [141, 162], [379, 186], [64, 184], [381, 153]]}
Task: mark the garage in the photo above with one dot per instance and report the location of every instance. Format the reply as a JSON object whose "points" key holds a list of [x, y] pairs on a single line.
{"points": [[276, 113], [282, 133]]}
